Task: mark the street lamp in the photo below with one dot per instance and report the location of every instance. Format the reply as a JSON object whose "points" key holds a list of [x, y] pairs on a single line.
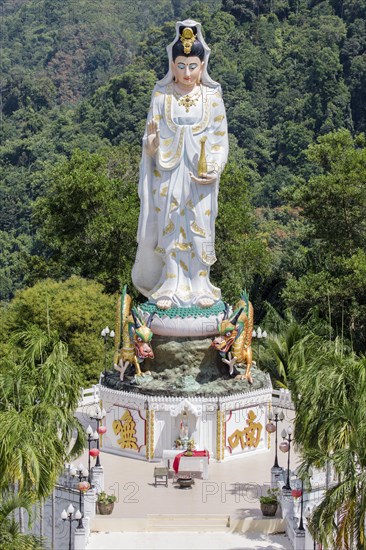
{"points": [[301, 524], [275, 417], [98, 416], [92, 436], [285, 447], [82, 474], [68, 516], [106, 333], [259, 335]]}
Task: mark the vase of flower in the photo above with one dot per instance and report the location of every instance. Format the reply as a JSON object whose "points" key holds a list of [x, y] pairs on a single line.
{"points": [[269, 503], [105, 503]]}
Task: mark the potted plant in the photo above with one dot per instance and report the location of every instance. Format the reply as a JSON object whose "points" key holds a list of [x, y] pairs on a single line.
{"points": [[105, 503], [269, 503]]}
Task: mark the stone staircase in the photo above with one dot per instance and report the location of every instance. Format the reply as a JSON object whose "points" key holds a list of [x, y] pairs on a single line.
{"points": [[186, 522]]}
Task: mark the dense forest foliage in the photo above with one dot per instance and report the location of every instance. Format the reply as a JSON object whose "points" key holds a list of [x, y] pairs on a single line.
{"points": [[76, 83]]}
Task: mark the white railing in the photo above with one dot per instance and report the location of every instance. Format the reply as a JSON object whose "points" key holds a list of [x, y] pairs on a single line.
{"points": [[89, 396], [282, 398]]}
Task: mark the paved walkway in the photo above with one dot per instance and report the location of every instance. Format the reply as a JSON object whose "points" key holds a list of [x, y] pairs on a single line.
{"points": [[184, 541]]}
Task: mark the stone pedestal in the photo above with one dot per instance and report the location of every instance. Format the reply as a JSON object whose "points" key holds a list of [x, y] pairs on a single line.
{"points": [[80, 539], [90, 500], [277, 474], [287, 505], [97, 475], [299, 539]]}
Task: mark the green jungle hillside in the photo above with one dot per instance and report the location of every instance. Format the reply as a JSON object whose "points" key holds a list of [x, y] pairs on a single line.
{"points": [[76, 80]]}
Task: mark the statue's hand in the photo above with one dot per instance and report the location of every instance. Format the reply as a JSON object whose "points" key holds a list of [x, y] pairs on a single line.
{"points": [[153, 137], [205, 179]]}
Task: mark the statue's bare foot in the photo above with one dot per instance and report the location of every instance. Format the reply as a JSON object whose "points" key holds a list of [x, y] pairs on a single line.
{"points": [[164, 304], [205, 302]]}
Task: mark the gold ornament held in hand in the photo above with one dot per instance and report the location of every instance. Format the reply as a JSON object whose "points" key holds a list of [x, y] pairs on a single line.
{"points": [[202, 163]]}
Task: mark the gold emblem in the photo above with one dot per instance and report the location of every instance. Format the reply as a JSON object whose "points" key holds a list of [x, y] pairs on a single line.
{"points": [[183, 265], [248, 437], [168, 228], [182, 232], [187, 38], [170, 276], [202, 273], [216, 148], [208, 212], [183, 246], [126, 429], [164, 191], [197, 229], [174, 204], [157, 209], [219, 118], [219, 133], [157, 173], [160, 250], [183, 212]]}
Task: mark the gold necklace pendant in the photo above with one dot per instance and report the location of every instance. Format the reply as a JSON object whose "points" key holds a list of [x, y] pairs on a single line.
{"points": [[187, 101]]}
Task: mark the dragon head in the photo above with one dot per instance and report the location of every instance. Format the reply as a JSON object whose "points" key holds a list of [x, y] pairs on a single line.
{"points": [[141, 336], [228, 331]]}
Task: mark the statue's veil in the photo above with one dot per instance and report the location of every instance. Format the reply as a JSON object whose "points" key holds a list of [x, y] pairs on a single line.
{"points": [[205, 78]]}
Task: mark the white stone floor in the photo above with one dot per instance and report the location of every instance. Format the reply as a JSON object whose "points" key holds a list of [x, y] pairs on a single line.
{"points": [[232, 489], [184, 541]]}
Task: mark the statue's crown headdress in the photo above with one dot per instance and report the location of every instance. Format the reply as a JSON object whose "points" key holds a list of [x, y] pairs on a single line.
{"points": [[187, 38]]}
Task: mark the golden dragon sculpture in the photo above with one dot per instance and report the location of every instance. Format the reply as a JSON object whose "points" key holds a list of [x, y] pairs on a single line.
{"points": [[235, 337], [133, 337]]}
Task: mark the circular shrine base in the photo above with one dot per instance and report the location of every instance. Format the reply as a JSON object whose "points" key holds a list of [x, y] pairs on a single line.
{"points": [[184, 367], [188, 389]]}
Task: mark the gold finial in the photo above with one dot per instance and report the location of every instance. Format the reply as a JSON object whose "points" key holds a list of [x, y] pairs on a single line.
{"points": [[202, 163], [187, 38]]}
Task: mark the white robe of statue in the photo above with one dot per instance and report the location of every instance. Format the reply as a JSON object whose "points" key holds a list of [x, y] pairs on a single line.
{"points": [[176, 233]]}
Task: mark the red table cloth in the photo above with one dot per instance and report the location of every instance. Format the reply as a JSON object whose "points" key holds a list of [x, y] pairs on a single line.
{"points": [[194, 454]]}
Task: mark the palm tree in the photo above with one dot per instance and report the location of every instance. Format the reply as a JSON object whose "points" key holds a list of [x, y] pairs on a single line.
{"points": [[284, 334], [10, 536], [39, 391], [330, 428]]}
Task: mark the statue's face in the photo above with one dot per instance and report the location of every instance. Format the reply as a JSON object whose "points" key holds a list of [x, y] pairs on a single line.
{"points": [[187, 70]]}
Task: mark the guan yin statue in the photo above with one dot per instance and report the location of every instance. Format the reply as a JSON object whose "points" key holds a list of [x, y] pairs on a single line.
{"points": [[183, 346]]}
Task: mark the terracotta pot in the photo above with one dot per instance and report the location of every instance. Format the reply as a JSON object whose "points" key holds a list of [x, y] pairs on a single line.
{"points": [[105, 508], [269, 510]]}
